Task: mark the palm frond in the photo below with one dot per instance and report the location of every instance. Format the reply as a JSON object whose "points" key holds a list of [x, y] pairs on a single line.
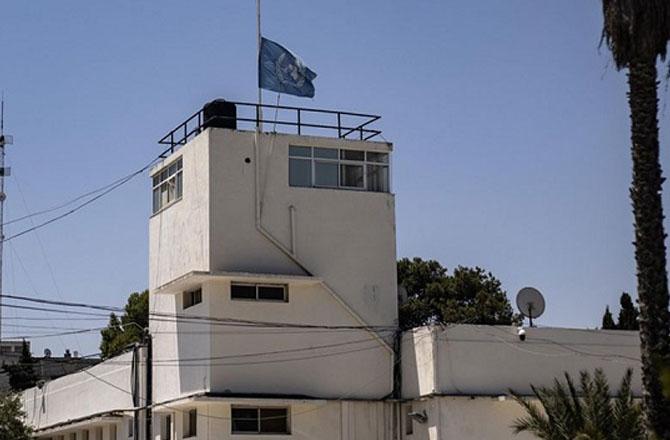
{"points": [[636, 29]]}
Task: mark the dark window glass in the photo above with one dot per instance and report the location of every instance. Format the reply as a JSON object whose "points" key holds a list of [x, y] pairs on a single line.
{"points": [[300, 151], [273, 293], [244, 419], [167, 186], [192, 298], [325, 153], [243, 291], [373, 156], [179, 186], [351, 176], [352, 155], [167, 429], [378, 178], [325, 173], [409, 423], [157, 199], [299, 172], [274, 421], [192, 423]]}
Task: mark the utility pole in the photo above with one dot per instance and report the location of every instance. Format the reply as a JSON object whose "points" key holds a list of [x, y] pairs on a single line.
{"points": [[4, 171]]}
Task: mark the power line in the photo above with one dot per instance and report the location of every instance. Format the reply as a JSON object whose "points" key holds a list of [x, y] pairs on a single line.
{"points": [[81, 205], [67, 203], [186, 318], [53, 335]]}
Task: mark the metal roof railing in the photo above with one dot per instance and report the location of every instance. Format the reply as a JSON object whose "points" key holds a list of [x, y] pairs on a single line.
{"points": [[288, 119]]}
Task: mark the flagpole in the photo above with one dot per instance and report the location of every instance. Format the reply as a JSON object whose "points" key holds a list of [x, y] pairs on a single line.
{"points": [[259, 124]]}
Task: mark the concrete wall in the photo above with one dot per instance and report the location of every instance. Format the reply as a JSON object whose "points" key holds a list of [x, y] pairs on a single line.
{"points": [[103, 388], [489, 360], [318, 363], [480, 418], [269, 360], [179, 237], [309, 420], [344, 238]]}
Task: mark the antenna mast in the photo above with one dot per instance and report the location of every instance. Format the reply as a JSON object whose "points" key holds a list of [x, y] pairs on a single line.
{"points": [[4, 140]]}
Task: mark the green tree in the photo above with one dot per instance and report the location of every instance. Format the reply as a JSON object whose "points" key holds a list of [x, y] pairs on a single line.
{"points": [[608, 320], [22, 374], [469, 295], [628, 314], [130, 328], [637, 34], [590, 413], [12, 426]]}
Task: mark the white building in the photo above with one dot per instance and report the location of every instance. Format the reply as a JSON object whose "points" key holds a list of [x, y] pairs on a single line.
{"points": [[273, 306]]}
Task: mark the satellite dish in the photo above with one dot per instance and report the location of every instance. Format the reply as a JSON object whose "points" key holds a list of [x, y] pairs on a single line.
{"points": [[530, 303], [47, 353]]}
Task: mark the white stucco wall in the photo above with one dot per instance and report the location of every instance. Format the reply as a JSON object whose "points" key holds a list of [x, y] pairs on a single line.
{"points": [[179, 237], [309, 420], [463, 417], [490, 360], [346, 239], [201, 356], [103, 388], [350, 363]]}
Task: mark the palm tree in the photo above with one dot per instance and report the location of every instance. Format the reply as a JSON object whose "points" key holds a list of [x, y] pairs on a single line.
{"points": [[637, 33], [587, 414]]}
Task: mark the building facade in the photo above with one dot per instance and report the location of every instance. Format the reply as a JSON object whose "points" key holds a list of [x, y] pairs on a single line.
{"points": [[277, 254], [273, 308]]}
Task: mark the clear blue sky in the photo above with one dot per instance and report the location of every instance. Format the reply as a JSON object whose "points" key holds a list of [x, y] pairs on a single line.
{"points": [[511, 132]]}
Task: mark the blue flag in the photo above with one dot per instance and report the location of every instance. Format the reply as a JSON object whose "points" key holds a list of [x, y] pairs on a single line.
{"points": [[281, 71]]}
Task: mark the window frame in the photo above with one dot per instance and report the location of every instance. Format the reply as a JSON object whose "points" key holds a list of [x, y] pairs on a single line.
{"points": [[190, 429], [259, 419], [257, 287], [167, 179], [370, 159], [191, 296]]}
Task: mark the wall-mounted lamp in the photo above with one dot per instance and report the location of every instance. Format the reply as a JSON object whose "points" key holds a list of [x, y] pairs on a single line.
{"points": [[420, 417]]}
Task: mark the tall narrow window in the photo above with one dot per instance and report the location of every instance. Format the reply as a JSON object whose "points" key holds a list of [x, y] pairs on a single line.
{"points": [[191, 423], [167, 185], [300, 166]]}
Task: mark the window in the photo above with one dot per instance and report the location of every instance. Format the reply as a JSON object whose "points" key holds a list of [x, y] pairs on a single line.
{"points": [[167, 186], [84, 435], [247, 420], [131, 425], [335, 168], [259, 292], [191, 423], [300, 166], [166, 427], [112, 432], [73, 436], [192, 298]]}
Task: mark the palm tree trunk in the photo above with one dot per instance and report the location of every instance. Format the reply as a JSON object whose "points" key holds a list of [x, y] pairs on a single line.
{"points": [[652, 277]]}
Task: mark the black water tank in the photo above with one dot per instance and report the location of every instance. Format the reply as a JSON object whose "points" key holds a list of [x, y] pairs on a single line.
{"points": [[220, 114]]}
